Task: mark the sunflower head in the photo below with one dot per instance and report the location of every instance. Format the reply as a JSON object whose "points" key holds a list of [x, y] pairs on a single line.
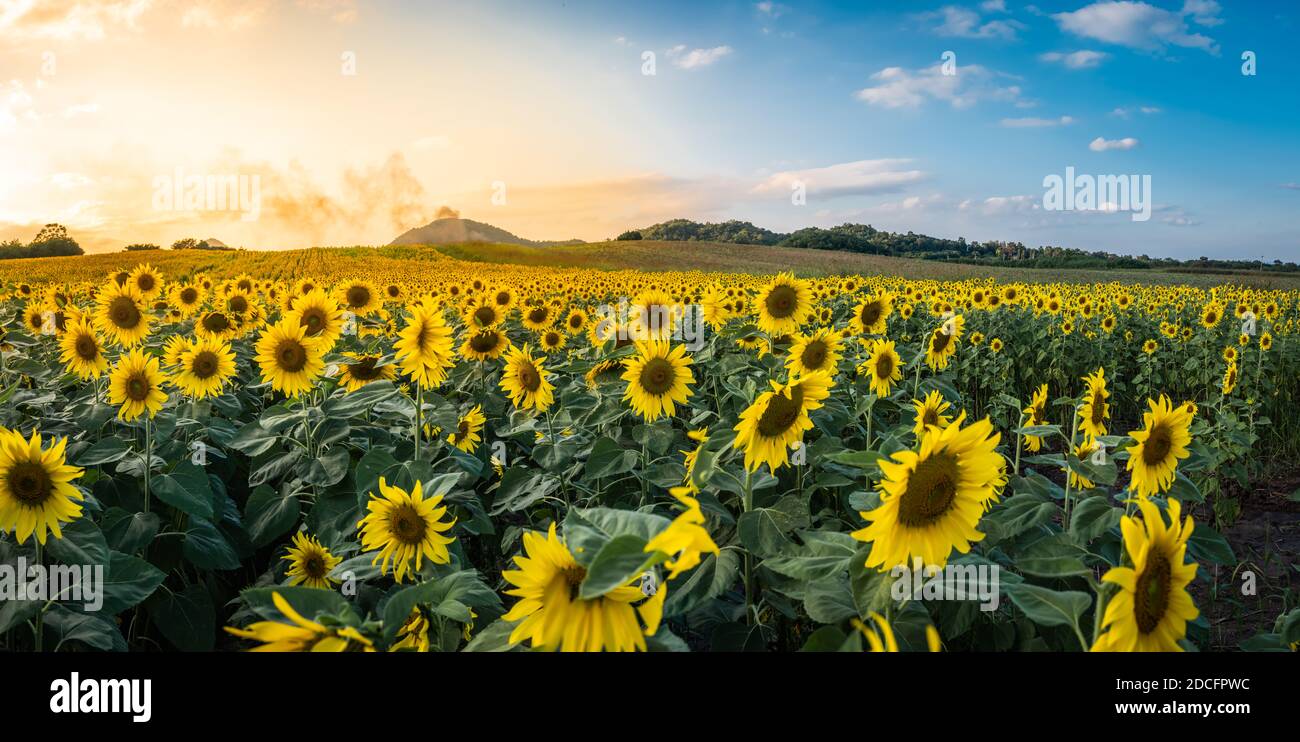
{"points": [[135, 385], [405, 528], [310, 563], [658, 379], [36, 491]]}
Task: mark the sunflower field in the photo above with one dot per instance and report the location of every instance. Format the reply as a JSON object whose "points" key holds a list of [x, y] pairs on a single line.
{"points": [[312, 451]]}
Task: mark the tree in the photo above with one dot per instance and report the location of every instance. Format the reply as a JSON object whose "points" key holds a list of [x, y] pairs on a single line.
{"points": [[188, 243], [141, 246], [630, 235]]}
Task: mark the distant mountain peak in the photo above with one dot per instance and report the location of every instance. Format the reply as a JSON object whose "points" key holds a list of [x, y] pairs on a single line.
{"points": [[450, 230]]}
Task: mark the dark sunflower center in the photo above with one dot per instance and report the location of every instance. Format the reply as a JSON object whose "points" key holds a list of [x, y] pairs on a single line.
{"points": [[503, 298], [1098, 408], [407, 525], [462, 430], [484, 342], [782, 301], [137, 387], [314, 566], [538, 314], [573, 576], [394, 291], [238, 304], [216, 322], [30, 483], [358, 296], [814, 355], [291, 356], [485, 316], [885, 366], [204, 364], [189, 296], [529, 378], [1151, 596], [657, 376], [930, 491], [87, 348], [940, 342], [124, 313], [314, 320], [552, 339], [1158, 444], [575, 321], [781, 413], [365, 369], [930, 417], [145, 282]]}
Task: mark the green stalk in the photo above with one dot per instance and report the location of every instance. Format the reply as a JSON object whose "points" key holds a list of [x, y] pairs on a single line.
{"points": [[747, 503]]}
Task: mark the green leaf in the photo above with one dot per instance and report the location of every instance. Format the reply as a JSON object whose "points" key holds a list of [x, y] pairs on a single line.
{"points": [[1053, 556], [309, 602], [328, 469], [830, 601], [620, 559], [185, 489], [253, 439], [128, 582], [586, 531], [608, 459], [128, 532], [1208, 545], [522, 487], [1049, 607], [187, 619], [104, 451], [82, 543], [207, 548], [1092, 517], [713, 577], [269, 514]]}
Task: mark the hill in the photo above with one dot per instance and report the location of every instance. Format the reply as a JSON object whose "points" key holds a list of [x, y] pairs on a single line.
{"points": [[451, 230]]}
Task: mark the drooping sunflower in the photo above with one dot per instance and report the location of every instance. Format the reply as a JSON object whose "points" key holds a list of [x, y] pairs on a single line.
{"points": [[658, 378], [360, 297], [424, 347], [526, 381], [365, 368], [205, 366], [466, 435], [1085, 448], [1162, 442], [1229, 379], [1151, 610], [300, 634], [783, 304], [1094, 411], [929, 413], [1036, 414], [778, 418], [121, 315], [686, 538], [135, 384], [405, 528], [931, 499], [871, 315], [816, 351], [943, 343], [310, 563], [413, 636], [81, 351], [289, 360], [36, 492], [883, 367], [485, 345], [319, 315], [552, 615]]}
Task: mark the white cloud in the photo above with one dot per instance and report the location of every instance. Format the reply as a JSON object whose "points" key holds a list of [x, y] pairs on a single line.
{"points": [[1124, 113], [1203, 12], [1105, 145], [1080, 60], [80, 109], [967, 24], [994, 6], [1140, 25], [1034, 123], [771, 9], [695, 58], [899, 88], [845, 179], [67, 20]]}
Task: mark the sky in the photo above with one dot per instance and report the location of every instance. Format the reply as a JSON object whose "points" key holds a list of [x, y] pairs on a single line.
{"points": [[349, 121]]}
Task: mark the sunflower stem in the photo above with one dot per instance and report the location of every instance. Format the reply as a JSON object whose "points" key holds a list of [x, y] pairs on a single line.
{"points": [[1015, 470], [419, 416], [747, 503], [148, 460], [40, 617]]}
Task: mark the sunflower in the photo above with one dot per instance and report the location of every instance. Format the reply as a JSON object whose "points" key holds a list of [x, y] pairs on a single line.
{"points": [[1157, 448], [218, 325], [1150, 346], [405, 528], [188, 298], [1229, 379], [943, 343], [929, 413], [289, 360], [135, 384], [1211, 315], [1095, 410], [147, 280], [871, 315], [551, 614], [1151, 610], [658, 378], [778, 418], [1036, 414], [482, 315], [310, 563], [36, 492], [995, 345], [575, 322], [1266, 341], [526, 381], [931, 500], [883, 367], [301, 634], [686, 538], [1084, 449], [360, 297], [364, 369], [414, 633], [654, 314], [817, 351], [538, 317], [82, 352], [121, 315], [551, 340], [783, 304], [205, 366], [34, 319], [485, 345], [466, 435], [319, 315], [424, 347]]}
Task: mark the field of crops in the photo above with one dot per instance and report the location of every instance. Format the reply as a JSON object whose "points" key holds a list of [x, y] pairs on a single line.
{"points": [[350, 450]]}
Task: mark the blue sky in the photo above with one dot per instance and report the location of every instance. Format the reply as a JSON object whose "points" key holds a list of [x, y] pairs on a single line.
{"points": [[538, 116]]}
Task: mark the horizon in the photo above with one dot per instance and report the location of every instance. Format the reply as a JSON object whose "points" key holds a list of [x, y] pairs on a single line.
{"points": [[941, 118]]}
